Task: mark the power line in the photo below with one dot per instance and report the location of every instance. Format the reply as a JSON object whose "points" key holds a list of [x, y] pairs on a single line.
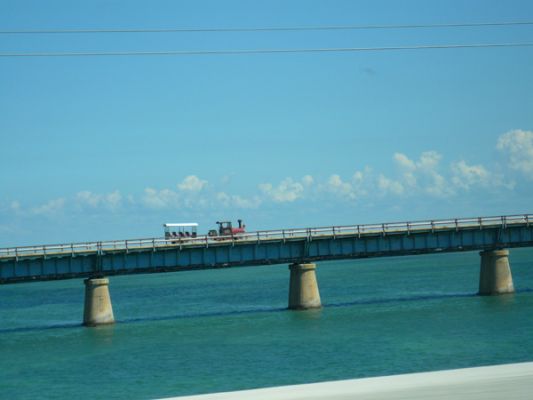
{"points": [[268, 51], [268, 29]]}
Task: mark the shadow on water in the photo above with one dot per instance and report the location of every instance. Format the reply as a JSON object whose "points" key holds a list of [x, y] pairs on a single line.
{"points": [[308, 314], [401, 299], [203, 315], [41, 328]]}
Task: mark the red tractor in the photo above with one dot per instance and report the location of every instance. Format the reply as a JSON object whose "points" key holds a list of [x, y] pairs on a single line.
{"points": [[225, 228]]}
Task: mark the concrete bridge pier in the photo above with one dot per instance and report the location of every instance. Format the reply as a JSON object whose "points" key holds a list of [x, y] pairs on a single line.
{"points": [[98, 309], [495, 273], [303, 287]]}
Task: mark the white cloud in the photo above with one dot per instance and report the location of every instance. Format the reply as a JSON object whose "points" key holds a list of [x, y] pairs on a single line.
{"points": [[237, 201], [286, 192], [517, 145], [88, 198], [226, 179], [420, 176], [12, 207], [407, 168], [336, 183], [387, 185], [192, 184], [308, 180], [464, 175], [358, 177], [404, 162], [438, 186], [15, 206], [431, 180], [187, 195], [351, 189], [362, 182], [111, 200], [160, 198], [429, 160], [426, 176], [51, 207], [341, 188]]}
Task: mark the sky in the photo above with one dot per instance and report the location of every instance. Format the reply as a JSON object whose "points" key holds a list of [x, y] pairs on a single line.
{"points": [[102, 148]]}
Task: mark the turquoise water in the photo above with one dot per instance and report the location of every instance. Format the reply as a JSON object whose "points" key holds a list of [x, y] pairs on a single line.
{"points": [[219, 330]]}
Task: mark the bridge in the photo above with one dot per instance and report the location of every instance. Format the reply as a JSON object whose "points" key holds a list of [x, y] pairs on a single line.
{"points": [[300, 248]]}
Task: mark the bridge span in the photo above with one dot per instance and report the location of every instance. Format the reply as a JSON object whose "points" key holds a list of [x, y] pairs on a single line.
{"points": [[298, 247]]}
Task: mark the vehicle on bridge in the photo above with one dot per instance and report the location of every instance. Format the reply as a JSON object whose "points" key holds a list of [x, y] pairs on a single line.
{"points": [[225, 228], [181, 230]]}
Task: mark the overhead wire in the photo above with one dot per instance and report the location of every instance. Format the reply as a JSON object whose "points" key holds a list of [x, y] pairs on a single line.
{"points": [[268, 29], [266, 51], [265, 29]]}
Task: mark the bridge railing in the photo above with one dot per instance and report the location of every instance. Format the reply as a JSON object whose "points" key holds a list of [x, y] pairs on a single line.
{"points": [[258, 236]]}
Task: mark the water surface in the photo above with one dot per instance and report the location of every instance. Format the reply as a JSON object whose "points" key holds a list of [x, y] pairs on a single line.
{"points": [[219, 330]]}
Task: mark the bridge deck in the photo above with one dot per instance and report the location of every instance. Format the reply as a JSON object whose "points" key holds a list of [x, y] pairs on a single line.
{"points": [[74, 260], [260, 236]]}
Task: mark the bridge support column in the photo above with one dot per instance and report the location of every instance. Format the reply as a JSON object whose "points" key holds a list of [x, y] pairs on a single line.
{"points": [[495, 273], [303, 287], [98, 309]]}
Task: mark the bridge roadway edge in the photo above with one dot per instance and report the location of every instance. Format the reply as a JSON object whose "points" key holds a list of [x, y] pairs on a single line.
{"points": [[492, 382]]}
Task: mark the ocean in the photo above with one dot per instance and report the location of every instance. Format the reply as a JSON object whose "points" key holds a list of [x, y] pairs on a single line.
{"points": [[229, 329]]}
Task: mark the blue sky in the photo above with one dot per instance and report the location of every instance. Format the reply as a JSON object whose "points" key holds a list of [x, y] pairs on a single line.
{"points": [[112, 147]]}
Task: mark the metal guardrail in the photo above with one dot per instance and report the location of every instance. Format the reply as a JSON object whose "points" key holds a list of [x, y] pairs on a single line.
{"points": [[258, 236]]}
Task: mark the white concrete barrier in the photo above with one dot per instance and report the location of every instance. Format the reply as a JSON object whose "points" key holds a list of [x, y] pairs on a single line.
{"points": [[502, 382]]}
